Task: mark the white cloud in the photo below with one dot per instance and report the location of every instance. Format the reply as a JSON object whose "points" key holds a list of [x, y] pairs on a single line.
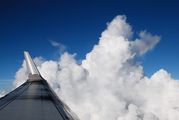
{"points": [[54, 43], [108, 85], [2, 94], [61, 47], [38, 61], [21, 75], [146, 42], [118, 27]]}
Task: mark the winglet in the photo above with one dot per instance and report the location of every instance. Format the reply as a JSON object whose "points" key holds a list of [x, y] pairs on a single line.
{"points": [[33, 73]]}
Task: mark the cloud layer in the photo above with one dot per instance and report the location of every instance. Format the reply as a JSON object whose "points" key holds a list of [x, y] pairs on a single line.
{"points": [[108, 85]]}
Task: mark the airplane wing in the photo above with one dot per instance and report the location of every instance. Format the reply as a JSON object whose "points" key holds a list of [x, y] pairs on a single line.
{"points": [[34, 100]]}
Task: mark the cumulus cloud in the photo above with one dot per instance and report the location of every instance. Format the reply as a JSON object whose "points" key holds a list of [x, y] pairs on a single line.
{"points": [[108, 85], [21, 75], [118, 27], [38, 61]]}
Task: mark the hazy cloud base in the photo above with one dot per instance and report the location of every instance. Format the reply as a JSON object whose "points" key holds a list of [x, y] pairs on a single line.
{"points": [[108, 85]]}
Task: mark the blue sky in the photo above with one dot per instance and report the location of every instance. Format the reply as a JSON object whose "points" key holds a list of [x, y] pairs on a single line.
{"points": [[29, 25]]}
